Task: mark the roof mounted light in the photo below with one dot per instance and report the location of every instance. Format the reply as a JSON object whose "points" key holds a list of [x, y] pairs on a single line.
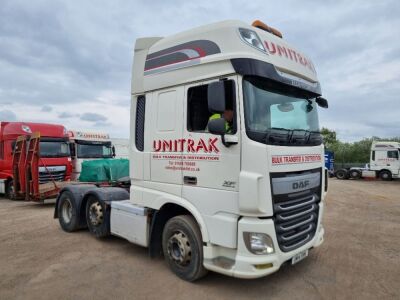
{"points": [[250, 37], [26, 128], [265, 27]]}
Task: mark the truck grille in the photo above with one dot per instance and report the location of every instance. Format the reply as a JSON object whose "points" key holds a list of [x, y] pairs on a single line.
{"points": [[51, 173], [296, 213]]}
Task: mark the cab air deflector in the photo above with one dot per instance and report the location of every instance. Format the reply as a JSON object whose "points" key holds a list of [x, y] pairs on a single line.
{"points": [[254, 67]]}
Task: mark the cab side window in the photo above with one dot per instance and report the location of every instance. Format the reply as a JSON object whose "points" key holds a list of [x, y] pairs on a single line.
{"points": [[198, 114], [393, 154], [139, 125]]}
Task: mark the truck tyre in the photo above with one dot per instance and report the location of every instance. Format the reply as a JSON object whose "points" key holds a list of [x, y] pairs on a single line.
{"points": [[341, 174], [67, 212], [96, 217], [385, 175], [355, 174], [10, 193], [183, 248]]}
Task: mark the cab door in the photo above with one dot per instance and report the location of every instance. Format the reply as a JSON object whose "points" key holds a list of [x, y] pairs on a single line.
{"points": [[166, 132], [207, 162]]}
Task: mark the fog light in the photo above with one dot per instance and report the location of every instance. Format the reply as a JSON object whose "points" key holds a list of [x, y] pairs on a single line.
{"points": [[258, 243], [250, 37], [263, 266]]}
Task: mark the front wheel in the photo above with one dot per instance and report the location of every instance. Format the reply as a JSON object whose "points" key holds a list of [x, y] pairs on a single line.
{"points": [[385, 175], [183, 248], [10, 192]]}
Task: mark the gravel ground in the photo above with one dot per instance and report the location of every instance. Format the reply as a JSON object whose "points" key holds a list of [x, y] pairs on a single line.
{"points": [[358, 260]]}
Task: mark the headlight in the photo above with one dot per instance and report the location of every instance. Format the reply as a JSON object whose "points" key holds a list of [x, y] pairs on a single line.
{"points": [[250, 37], [258, 243]]}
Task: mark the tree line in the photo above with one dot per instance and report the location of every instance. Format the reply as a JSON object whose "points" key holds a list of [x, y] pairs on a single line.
{"points": [[355, 152]]}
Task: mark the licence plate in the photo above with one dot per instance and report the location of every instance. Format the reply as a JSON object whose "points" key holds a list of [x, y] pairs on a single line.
{"points": [[299, 256]]}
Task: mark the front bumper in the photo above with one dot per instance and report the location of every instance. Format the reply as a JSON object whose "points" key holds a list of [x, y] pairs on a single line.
{"points": [[242, 263]]}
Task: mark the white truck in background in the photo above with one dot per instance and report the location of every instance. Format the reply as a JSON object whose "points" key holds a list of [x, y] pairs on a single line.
{"points": [[121, 147], [384, 163], [226, 158], [87, 145]]}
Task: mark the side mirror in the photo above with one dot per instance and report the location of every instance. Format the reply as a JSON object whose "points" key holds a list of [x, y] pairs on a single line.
{"points": [[113, 151], [72, 150], [217, 126], [216, 97], [322, 102]]}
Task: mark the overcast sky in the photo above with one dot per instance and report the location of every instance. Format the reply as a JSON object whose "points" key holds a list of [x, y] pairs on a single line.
{"points": [[69, 62]]}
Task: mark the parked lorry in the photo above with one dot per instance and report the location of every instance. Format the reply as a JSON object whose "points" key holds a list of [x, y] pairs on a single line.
{"points": [[384, 163], [54, 163], [85, 146], [226, 158], [330, 162]]}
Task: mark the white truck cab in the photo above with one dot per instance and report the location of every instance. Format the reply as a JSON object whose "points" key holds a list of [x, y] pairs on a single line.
{"points": [[86, 145], [227, 162], [384, 163], [385, 159]]}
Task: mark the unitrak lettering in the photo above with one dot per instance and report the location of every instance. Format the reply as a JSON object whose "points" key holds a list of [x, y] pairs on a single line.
{"points": [[289, 53], [186, 145]]}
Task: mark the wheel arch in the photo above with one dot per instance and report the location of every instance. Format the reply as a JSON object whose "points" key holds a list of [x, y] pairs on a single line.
{"points": [[386, 170], [105, 194], [77, 190], [166, 211]]}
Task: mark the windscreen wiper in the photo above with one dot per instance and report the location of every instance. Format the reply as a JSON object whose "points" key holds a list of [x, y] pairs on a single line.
{"points": [[306, 137], [284, 136], [278, 136]]}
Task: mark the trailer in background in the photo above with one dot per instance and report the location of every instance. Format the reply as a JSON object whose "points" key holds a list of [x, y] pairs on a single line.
{"points": [[54, 163], [26, 172]]}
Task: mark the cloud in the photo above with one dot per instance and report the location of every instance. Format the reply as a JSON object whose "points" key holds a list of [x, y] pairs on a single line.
{"points": [[77, 57], [47, 108], [93, 117], [66, 115], [7, 115]]}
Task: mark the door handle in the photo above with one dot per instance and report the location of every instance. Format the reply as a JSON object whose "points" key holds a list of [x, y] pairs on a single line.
{"points": [[190, 180]]}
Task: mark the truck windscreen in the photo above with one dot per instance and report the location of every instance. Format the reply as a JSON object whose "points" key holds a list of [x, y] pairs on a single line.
{"points": [[275, 116], [94, 150], [54, 149]]}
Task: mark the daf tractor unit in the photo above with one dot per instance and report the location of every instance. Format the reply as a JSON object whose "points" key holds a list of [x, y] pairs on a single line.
{"points": [[55, 161], [86, 145], [384, 163], [226, 158]]}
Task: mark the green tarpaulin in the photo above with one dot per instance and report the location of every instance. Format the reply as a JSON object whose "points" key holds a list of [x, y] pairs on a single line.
{"points": [[104, 170]]}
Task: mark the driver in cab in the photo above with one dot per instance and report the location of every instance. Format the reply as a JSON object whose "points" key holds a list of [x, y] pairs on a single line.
{"points": [[228, 116]]}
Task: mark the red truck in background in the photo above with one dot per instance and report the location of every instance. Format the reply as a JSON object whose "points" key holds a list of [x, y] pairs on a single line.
{"points": [[55, 161]]}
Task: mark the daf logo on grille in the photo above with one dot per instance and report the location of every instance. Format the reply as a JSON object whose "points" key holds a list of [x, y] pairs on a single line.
{"points": [[300, 184]]}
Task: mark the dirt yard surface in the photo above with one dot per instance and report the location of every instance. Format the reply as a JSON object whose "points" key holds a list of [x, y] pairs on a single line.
{"points": [[359, 259]]}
